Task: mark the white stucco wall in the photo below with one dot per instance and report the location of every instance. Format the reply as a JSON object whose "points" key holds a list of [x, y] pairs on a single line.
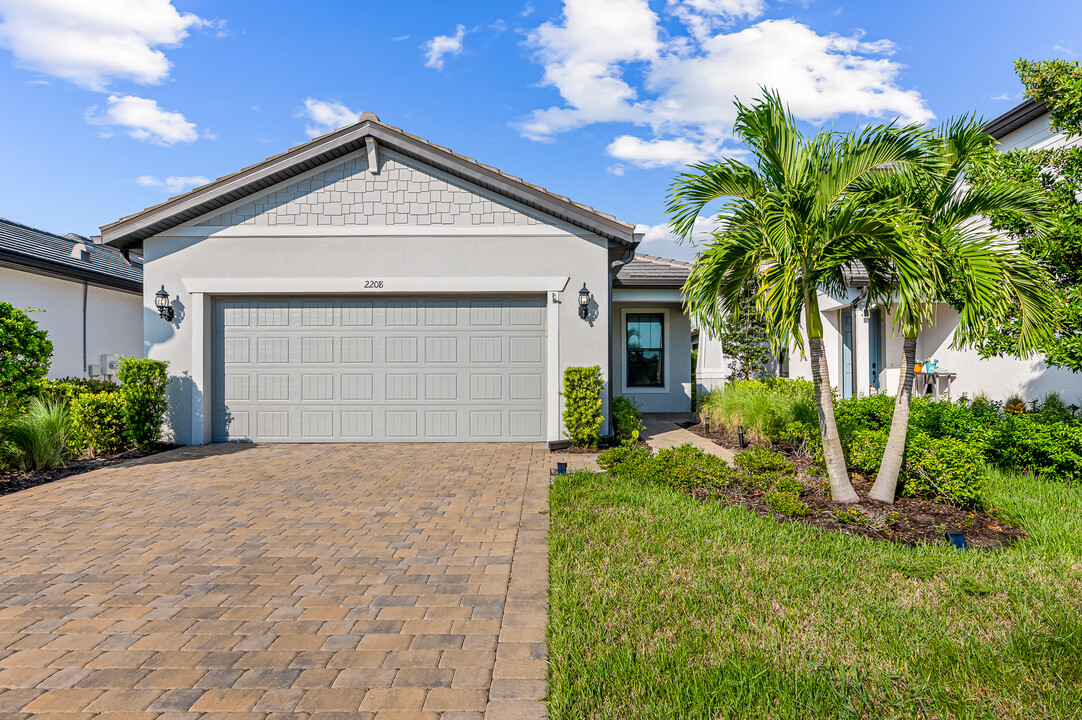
{"points": [[114, 319], [675, 396], [402, 255]]}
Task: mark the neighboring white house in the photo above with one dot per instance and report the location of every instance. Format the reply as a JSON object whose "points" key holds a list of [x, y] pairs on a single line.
{"points": [[370, 285], [863, 353], [88, 297]]}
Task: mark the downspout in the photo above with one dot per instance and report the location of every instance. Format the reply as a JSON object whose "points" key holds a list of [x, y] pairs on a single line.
{"points": [[614, 268], [85, 288]]}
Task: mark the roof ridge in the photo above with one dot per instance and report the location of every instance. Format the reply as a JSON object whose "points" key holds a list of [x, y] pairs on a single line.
{"points": [[367, 117], [669, 261]]}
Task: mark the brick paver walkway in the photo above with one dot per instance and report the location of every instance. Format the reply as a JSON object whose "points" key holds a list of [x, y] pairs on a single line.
{"points": [[280, 581]]}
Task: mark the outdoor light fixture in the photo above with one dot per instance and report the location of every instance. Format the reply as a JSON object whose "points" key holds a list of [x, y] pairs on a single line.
{"points": [[740, 435], [560, 469], [584, 302], [161, 301], [774, 445], [957, 539]]}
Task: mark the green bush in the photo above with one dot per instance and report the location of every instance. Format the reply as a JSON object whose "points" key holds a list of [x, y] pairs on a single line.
{"points": [[686, 467], [97, 422], [864, 412], [40, 435], [851, 515], [758, 466], [582, 405], [767, 410], [614, 457], [789, 484], [944, 470], [142, 386], [864, 450], [625, 418], [1052, 409], [1024, 443], [786, 503], [70, 388], [25, 357]]}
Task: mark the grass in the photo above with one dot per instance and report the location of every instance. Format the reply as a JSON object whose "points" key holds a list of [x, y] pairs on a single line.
{"points": [[763, 410], [40, 436], [663, 607]]}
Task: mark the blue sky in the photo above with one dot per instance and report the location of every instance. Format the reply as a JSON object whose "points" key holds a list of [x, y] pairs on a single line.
{"points": [[114, 105]]}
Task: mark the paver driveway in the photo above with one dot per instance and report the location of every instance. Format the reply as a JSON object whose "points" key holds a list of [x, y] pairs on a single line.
{"points": [[275, 581]]}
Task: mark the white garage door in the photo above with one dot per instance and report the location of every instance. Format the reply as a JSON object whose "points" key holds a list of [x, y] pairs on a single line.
{"points": [[399, 369]]}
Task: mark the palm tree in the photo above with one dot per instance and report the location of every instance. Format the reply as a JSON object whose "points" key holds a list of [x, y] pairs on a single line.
{"points": [[790, 222], [986, 276]]}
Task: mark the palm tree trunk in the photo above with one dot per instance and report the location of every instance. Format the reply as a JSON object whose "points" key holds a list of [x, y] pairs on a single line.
{"points": [[886, 482], [841, 489]]}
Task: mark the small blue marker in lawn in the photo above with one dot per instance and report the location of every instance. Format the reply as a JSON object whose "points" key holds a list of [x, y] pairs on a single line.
{"points": [[561, 468], [957, 539]]}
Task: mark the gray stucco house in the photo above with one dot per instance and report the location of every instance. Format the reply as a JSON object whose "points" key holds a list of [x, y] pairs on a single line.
{"points": [[372, 286]]}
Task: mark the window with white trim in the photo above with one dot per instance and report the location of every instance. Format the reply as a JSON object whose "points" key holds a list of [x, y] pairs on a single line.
{"points": [[645, 333]]}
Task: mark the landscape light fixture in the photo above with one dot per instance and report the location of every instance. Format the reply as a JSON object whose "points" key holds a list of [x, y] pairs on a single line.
{"points": [[584, 302], [161, 301], [561, 468], [740, 435], [957, 539]]}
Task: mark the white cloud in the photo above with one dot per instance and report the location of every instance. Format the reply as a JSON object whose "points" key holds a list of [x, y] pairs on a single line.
{"points": [[527, 11], [142, 119], [326, 115], [173, 184], [611, 61], [442, 45], [1061, 47], [659, 240], [656, 153], [400, 38], [1002, 96], [92, 43]]}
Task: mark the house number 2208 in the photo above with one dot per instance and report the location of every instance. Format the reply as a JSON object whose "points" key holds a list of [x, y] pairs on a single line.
{"points": [[373, 284]]}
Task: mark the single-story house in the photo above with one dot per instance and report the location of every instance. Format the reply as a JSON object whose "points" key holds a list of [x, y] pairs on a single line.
{"points": [[370, 285], [88, 297], [864, 354]]}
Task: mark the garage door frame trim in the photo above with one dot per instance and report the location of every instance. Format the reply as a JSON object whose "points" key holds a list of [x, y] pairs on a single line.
{"points": [[203, 290]]}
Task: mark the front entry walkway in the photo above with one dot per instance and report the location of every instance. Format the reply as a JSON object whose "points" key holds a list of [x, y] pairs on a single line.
{"points": [[280, 581]]}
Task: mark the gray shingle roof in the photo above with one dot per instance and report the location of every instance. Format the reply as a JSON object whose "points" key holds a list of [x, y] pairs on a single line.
{"points": [[650, 271], [29, 247]]}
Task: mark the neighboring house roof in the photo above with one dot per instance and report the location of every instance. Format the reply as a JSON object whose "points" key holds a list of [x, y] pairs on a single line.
{"points": [[133, 229], [654, 272], [1025, 112], [44, 252]]}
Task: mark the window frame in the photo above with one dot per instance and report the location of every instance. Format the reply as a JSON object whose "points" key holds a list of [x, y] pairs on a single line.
{"points": [[665, 346]]}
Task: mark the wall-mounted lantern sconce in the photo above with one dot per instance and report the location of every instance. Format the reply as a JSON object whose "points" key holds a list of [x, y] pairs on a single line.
{"points": [[584, 302], [161, 301]]}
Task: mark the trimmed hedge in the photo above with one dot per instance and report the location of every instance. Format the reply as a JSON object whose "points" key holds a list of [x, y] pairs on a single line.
{"points": [[97, 421], [142, 386], [944, 469], [684, 467], [582, 405]]}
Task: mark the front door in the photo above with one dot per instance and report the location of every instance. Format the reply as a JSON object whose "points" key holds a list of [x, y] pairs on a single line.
{"points": [[847, 352], [875, 348]]}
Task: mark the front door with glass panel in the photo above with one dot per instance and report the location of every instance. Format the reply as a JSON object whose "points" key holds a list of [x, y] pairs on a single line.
{"points": [[847, 352]]}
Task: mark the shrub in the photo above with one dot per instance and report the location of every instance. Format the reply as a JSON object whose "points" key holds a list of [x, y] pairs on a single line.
{"points": [[625, 418], [760, 467], [786, 503], [40, 435], [70, 388], [944, 470], [1049, 450], [1052, 409], [851, 515], [864, 412], [686, 467], [97, 422], [864, 450], [142, 387], [790, 484], [767, 410], [582, 405], [25, 357], [946, 419]]}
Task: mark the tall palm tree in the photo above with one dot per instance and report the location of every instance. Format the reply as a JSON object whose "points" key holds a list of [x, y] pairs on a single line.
{"points": [[790, 221], [985, 275]]}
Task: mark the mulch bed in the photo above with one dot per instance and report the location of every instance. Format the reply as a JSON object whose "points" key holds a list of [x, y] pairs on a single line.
{"points": [[11, 482], [909, 521]]}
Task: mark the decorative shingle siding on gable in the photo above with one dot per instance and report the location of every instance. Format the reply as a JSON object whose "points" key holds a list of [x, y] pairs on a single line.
{"points": [[346, 194]]}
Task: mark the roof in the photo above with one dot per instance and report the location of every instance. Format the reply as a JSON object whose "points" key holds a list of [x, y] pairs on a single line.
{"points": [[132, 230], [1025, 112], [45, 252], [654, 272]]}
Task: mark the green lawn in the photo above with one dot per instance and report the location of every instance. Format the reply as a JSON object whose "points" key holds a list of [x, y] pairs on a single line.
{"points": [[662, 607]]}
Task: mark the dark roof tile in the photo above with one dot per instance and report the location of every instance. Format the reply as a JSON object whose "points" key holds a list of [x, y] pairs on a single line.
{"points": [[22, 244]]}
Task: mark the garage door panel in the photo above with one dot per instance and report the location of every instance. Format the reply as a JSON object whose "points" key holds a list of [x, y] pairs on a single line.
{"points": [[406, 369]]}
